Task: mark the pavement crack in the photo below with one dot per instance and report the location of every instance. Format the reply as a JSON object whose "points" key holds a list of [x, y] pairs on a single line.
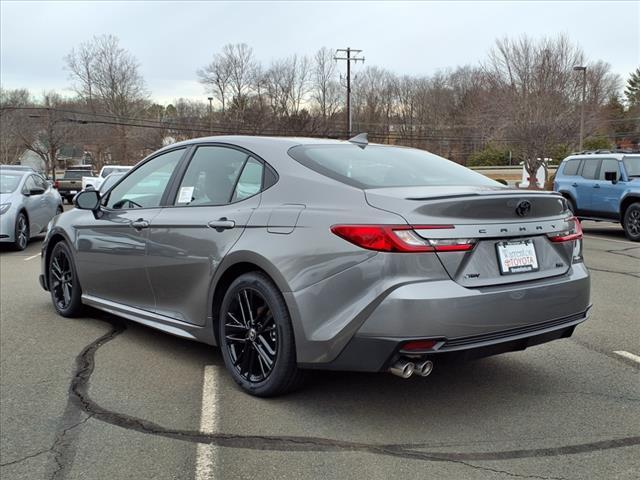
{"points": [[22, 459], [630, 274], [81, 401]]}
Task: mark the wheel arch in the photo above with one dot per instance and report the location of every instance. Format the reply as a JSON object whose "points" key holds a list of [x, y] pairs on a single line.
{"points": [[625, 202], [234, 265], [53, 239]]}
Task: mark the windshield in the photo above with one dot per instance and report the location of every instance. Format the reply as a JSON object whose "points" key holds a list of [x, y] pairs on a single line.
{"points": [[378, 166], [110, 181], [9, 181], [632, 166]]}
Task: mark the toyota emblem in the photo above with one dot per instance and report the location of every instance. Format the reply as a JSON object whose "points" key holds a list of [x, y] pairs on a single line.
{"points": [[523, 208]]}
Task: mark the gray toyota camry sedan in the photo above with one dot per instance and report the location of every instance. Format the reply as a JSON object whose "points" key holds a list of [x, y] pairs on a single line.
{"points": [[294, 254]]}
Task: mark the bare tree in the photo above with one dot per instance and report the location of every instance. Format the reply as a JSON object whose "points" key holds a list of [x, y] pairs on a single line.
{"points": [[11, 145], [325, 89], [107, 77], [539, 92], [216, 77], [46, 130]]}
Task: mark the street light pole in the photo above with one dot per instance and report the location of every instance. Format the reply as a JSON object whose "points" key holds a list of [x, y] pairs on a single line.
{"points": [[210, 115], [584, 95]]}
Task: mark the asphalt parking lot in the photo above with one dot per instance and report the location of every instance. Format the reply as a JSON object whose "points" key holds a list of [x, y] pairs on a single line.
{"points": [[104, 398]]}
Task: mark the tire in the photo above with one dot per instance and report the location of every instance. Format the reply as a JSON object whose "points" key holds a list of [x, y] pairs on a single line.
{"points": [[631, 222], [63, 281], [256, 337], [571, 205], [21, 232]]}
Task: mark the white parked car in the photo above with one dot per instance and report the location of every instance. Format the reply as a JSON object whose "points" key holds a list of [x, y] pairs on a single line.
{"points": [[107, 170]]}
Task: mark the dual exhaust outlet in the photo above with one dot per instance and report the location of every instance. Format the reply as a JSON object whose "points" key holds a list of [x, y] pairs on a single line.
{"points": [[405, 368]]}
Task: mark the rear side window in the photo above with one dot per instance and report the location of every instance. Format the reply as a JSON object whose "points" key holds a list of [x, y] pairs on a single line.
{"points": [[590, 169], [250, 181], [378, 166], [571, 167], [211, 176], [609, 165]]}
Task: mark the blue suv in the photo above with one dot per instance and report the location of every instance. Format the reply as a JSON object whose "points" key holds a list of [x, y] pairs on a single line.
{"points": [[603, 186]]}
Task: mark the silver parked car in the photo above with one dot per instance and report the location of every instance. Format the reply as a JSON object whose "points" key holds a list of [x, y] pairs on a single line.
{"points": [[293, 254], [27, 203]]}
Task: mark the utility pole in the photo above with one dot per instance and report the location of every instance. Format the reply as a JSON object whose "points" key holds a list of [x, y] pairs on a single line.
{"points": [[584, 94], [349, 58], [210, 115]]}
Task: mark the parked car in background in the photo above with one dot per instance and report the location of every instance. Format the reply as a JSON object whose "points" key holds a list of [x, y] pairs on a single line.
{"points": [[295, 253], [110, 181], [603, 186], [105, 171], [27, 204], [71, 181]]}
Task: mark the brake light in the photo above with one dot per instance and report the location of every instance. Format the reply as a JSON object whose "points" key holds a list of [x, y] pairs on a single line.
{"points": [[573, 233], [56, 184], [400, 238]]}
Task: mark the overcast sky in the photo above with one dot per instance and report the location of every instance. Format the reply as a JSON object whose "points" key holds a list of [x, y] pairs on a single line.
{"points": [[171, 40]]}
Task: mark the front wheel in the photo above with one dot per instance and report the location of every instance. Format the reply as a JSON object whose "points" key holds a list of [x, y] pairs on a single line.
{"points": [[631, 223], [21, 232], [63, 281], [256, 337]]}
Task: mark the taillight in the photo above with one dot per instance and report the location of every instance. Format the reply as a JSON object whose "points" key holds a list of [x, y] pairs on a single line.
{"points": [[56, 184], [400, 238], [574, 232]]}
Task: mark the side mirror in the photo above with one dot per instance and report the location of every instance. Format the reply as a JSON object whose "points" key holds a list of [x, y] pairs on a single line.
{"points": [[611, 177], [87, 200], [36, 191]]}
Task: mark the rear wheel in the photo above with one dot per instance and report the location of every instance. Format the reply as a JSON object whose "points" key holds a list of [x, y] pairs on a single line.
{"points": [[63, 281], [21, 232], [256, 337], [631, 223]]}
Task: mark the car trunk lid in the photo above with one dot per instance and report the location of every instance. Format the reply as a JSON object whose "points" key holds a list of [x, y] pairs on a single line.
{"points": [[500, 220]]}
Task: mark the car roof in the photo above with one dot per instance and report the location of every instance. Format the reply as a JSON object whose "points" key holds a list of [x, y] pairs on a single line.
{"points": [[617, 156], [249, 140]]}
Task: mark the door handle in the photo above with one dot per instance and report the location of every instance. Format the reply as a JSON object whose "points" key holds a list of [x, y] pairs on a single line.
{"points": [[596, 185], [574, 184], [222, 224], [139, 224]]}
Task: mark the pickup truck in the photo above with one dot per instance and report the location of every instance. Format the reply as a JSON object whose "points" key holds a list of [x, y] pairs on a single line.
{"points": [[71, 182], [95, 182]]}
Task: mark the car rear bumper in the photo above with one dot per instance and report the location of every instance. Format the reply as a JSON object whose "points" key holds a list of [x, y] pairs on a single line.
{"points": [[374, 354], [489, 320]]}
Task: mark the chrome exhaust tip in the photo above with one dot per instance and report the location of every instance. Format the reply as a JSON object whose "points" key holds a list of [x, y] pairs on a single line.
{"points": [[402, 368], [424, 368]]}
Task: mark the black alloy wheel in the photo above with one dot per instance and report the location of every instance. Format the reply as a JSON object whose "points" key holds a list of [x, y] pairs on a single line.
{"points": [[631, 223], [21, 232], [63, 281], [256, 337], [251, 335]]}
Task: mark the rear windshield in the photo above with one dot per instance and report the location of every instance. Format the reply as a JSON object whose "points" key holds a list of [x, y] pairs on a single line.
{"points": [[378, 166], [76, 174], [632, 166]]}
